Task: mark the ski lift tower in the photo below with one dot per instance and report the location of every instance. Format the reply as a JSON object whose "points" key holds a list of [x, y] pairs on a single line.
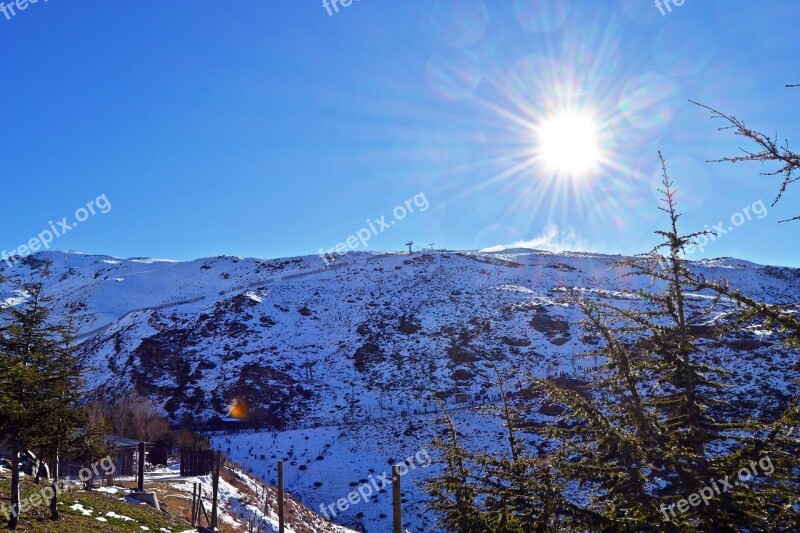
{"points": [[409, 244], [431, 245]]}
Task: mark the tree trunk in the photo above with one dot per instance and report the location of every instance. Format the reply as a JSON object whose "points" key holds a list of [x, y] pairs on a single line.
{"points": [[57, 466], [54, 502], [14, 520]]}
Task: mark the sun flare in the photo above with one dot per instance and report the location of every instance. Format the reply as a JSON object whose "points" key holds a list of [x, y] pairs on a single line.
{"points": [[568, 144]]}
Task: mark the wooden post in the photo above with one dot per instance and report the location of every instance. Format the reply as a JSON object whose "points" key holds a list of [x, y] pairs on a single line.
{"points": [[57, 466], [281, 520], [396, 497], [194, 502], [215, 489], [54, 502], [140, 484]]}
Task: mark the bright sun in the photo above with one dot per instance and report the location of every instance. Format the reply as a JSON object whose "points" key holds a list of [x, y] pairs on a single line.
{"points": [[568, 144]]}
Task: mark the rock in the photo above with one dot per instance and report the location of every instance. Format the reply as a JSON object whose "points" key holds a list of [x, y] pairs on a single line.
{"points": [[149, 498]]}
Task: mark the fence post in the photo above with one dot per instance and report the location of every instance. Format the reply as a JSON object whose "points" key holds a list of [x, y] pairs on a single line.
{"points": [[281, 519], [396, 497], [215, 489], [194, 502], [140, 483]]}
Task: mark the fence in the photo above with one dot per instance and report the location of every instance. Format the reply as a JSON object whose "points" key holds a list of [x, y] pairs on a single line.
{"points": [[196, 462], [101, 329]]}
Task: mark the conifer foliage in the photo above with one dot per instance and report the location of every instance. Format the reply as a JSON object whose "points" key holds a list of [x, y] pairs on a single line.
{"points": [[645, 435], [509, 492], [40, 381]]}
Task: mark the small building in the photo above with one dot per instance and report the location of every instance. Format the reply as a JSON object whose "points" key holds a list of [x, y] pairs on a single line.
{"points": [[461, 397], [124, 453]]}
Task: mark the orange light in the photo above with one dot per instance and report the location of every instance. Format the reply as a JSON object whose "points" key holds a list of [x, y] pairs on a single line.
{"points": [[238, 409]]}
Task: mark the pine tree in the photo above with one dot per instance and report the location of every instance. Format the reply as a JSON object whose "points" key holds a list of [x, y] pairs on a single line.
{"points": [[40, 382], [647, 436], [510, 492], [645, 433], [453, 495]]}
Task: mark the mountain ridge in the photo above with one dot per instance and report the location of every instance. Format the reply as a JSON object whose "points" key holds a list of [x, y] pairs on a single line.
{"points": [[343, 367]]}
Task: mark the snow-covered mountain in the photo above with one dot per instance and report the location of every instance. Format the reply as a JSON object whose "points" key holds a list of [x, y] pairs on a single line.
{"points": [[346, 360]]}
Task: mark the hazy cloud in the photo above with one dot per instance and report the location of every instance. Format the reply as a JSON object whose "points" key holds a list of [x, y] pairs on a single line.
{"points": [[553, 239]]}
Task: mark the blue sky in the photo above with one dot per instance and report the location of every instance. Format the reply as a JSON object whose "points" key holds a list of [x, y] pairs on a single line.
{"points": [[271, 128]]}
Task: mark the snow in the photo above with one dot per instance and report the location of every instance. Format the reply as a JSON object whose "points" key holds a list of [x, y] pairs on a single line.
{"points": [[232, 501], [112, 514], [254, 338], [81, 509], [109, 490]]}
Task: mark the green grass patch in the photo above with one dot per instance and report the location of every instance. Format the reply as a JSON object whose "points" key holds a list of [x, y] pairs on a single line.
{"points": [[37, 518]]}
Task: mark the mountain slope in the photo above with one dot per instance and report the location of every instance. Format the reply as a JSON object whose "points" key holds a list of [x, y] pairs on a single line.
{"points": [[369, 343]]}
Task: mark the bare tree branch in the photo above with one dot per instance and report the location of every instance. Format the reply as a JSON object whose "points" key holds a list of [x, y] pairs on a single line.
{"points": [[769, 150]]}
